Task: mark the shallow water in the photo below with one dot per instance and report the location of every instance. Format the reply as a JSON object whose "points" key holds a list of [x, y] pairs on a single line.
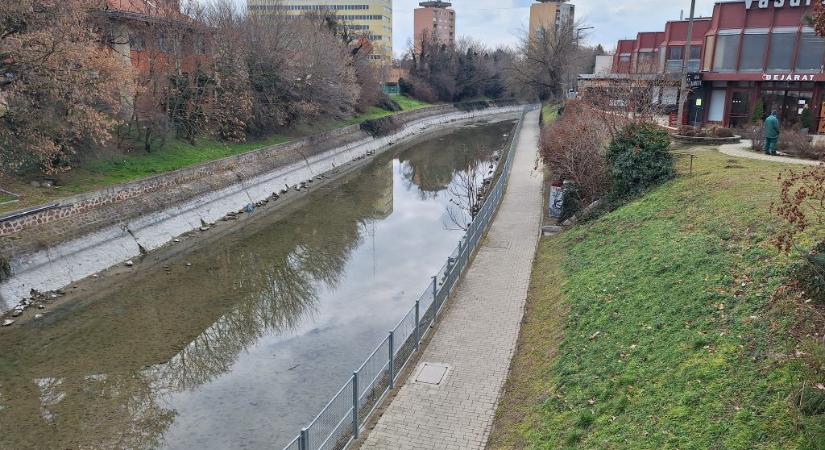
{"points": [[238, 337]]}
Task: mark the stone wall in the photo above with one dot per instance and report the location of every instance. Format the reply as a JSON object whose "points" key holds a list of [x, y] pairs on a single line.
{"points": [[51, 249], [247, 164]]}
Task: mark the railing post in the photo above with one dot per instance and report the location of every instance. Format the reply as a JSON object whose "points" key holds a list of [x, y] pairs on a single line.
{"points": [[417, 324], [435, 299], [392, 362], [304, 444], [355, 405]]}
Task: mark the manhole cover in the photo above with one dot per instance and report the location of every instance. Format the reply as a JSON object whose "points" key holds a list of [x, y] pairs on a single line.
{"points": [[430, 373], [498, 245]]}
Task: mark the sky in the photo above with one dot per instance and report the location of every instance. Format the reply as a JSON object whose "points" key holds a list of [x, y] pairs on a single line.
{"points": [[502, 22]]}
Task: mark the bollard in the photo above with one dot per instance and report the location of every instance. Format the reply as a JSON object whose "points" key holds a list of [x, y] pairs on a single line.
{"points": [[355, 405], [392, 362]]}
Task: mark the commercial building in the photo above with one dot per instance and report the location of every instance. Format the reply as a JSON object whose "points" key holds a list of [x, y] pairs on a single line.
{"points": [[369, 18], [434, 20], [550, 15], [750, 56], [763, 57]]}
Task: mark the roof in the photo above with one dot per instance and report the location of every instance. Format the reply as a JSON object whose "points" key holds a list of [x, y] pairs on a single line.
{"points": [[145, 9]]}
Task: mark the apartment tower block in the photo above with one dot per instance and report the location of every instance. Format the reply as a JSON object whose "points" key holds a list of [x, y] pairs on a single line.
{"points": [[434, 20], [370, 18], [550, 15]]}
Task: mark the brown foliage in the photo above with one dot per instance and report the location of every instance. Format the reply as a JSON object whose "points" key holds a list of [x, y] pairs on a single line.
{"points": [[573, 149], [800, 144], [62, 89], [801, 204], [714, 132], [619, 103], [818, 18]]}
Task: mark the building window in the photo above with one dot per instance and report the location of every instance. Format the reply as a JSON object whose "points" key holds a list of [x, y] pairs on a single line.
{"points": [[137, 43], [716, 112], [753, 52], [710, 45], [781, 56], [727, 50], [811, 53], [674, 53], [199, 45], [163, 43], [647, 62]]}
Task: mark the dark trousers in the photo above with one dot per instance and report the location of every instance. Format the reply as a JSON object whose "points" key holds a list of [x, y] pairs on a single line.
{"points": [[771, 145]]}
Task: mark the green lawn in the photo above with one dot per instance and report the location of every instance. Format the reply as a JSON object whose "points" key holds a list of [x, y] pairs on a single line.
{"points": [[4, 198], [174, 155], [653, 327], [550, 112], [177, 154], [409, 104]]}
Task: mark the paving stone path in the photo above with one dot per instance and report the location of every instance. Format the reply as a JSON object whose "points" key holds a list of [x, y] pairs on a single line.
{"points": [[743, 150], [477, 335]]}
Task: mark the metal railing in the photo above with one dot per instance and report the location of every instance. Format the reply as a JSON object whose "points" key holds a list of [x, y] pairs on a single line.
{"points": [[341, 420]]}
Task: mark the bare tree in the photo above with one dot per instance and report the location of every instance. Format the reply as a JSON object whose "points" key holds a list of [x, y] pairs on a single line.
{"points": [[466, 194], [546, 57], [618, 100], [60, 89]]}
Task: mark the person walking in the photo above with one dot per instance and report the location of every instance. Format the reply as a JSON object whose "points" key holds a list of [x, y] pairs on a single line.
{"points": [[771, 134]]}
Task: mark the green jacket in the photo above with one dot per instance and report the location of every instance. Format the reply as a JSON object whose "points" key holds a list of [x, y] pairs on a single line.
{"points": [[771, 127]]}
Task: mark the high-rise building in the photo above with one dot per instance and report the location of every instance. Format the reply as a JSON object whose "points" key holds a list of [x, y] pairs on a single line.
{"points": [[434, 20], [550, 15], [370, 18]]}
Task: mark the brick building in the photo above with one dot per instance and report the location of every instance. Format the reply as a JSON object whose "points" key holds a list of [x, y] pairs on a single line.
{"points": [[749, 55], [146, 32]]}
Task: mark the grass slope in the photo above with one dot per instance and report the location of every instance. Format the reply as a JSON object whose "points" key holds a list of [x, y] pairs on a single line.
{"points": [[173, 156], [670, 338]]}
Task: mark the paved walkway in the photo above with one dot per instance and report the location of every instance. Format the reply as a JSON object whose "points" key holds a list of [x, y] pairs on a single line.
{"points": [[743, 150], [478, 333]]}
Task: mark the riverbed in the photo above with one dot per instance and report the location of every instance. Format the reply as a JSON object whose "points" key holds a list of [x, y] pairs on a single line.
{"points": [[237, 337]]}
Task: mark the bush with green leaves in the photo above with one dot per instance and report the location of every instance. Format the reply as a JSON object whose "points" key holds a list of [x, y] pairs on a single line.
{"points": [[638, 159]]}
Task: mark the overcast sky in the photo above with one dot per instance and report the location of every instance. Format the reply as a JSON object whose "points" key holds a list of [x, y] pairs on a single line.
{"points": [[501, 22]]}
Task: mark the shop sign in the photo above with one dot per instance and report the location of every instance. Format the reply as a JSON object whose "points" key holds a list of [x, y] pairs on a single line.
{"points": [[694, 80], [763, 4], [788, 77]]}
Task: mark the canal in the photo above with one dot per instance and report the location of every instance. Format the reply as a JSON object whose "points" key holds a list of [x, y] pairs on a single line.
{"points": [[237, 337]]}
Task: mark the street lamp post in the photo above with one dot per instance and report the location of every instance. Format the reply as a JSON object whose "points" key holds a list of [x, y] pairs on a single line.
{"points": [[683, 90], [578, 46]]}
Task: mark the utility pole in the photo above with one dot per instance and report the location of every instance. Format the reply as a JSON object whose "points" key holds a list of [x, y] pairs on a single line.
{"points": [[683, 91]]}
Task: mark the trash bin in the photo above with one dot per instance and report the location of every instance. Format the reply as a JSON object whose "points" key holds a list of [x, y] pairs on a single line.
{"points": [[555, 205]]}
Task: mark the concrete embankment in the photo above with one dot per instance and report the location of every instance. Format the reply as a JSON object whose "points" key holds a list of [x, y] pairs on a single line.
{"points": [[118, 224]]}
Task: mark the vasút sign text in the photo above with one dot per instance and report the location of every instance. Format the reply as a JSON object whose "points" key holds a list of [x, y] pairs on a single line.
{"points": [[763, 4]]}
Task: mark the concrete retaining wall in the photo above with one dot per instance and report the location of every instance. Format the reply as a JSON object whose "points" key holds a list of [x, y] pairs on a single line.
{"points": [[62, 264]]}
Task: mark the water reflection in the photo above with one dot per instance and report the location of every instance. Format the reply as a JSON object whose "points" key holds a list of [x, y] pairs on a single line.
{"points": [[432, 169], [239, 340]]}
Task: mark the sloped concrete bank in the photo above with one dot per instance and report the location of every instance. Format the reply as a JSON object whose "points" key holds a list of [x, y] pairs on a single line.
{"points": [[64, 263]]}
